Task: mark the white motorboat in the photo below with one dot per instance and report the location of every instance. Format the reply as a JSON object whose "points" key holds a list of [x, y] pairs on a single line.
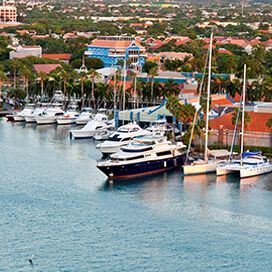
{"points": [[68, 117], [145, 155], [37, 112], [50, 115], [123, 136], [88, 131], [20, 116], [85, 116]]}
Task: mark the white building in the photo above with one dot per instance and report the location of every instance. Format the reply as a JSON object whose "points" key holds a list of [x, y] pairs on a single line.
{"points": [[26, 51], [8, 13]]}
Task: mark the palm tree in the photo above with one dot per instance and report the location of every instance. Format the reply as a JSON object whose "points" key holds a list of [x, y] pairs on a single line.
{"points": [[93, 75], [170, 88], [153, 72], [82, 78], [26, 73], [65, 76], [3, 78], [42, 76], [269, 123], [182, 112], [14, 65]]}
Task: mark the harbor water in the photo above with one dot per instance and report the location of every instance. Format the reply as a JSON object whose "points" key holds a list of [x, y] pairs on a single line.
{"points": [[59, 211]]}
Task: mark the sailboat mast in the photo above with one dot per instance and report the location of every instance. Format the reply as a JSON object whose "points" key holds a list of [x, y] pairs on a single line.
{"points": [[243, 116], [208, 98], [124, 85]]}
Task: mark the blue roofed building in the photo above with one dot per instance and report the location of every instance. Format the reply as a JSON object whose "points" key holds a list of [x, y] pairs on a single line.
{"points": [[113, 49]]}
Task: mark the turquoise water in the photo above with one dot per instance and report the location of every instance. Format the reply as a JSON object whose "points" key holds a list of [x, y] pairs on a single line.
{"points": [[57, 209]]}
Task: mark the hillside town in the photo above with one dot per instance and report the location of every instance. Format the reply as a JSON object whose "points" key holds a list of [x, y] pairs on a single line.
{"points": [[153, 50]]}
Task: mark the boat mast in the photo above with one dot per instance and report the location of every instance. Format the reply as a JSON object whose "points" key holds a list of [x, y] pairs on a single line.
{"points": [[243, 116], [208, 98], [124, 87]]}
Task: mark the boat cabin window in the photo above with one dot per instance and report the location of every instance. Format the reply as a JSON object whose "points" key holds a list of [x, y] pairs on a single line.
{"points": [[164, 153], [129, 159], [59, 114], [134, 129], [115, 138], [125, 139], [98, 127]]}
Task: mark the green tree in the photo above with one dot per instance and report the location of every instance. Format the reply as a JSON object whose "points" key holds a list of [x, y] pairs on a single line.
{"points": [[93, 75]]}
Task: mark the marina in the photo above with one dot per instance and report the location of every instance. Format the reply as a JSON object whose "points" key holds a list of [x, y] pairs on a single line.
{"points": [[60, 211]]}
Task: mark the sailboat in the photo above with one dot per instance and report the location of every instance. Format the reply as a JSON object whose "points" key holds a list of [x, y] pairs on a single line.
{"points": [[250, 163], [207, 165]]}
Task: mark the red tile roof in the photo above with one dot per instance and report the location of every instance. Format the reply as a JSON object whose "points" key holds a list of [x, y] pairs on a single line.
{"points": [[112, 43], [257, 124], [45, 68], [57, 56], [224, 51]]}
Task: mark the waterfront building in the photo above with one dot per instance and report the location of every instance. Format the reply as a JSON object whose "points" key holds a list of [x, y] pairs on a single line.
{"points": [[26, 51], [113, 49]]}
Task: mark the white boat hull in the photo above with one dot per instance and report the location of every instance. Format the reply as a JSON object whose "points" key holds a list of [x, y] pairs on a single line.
{"points": [[81, 134], [30, 119], [18, 118], [66, 121], [82, 121], [200, 168], [46, 120], [107, 150]]}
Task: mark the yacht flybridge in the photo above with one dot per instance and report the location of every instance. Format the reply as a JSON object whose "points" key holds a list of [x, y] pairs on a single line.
{"points": [[123, 136], [145, 155]]}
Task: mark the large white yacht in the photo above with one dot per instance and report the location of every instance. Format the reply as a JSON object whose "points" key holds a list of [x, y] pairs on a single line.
{"points": [[85, 116], [123, 136], [145, 155], [100, 121], [20, 116], [50, 115]]}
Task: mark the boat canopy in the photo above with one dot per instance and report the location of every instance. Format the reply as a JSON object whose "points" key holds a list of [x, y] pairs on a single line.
{"points": [[251, 153], [217, 153]]}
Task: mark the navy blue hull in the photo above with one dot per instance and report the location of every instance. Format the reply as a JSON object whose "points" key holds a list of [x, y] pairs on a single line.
{"points": [[142, 168]]}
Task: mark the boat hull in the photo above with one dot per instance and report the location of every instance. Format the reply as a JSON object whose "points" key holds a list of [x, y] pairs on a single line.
{"points": [[45, 121], [81, 134], [201, 168], [255, 171], [10, 117], [18, 118], [30, 119], [82, 121], [125, 171], [66, 121], [107, 150]]}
